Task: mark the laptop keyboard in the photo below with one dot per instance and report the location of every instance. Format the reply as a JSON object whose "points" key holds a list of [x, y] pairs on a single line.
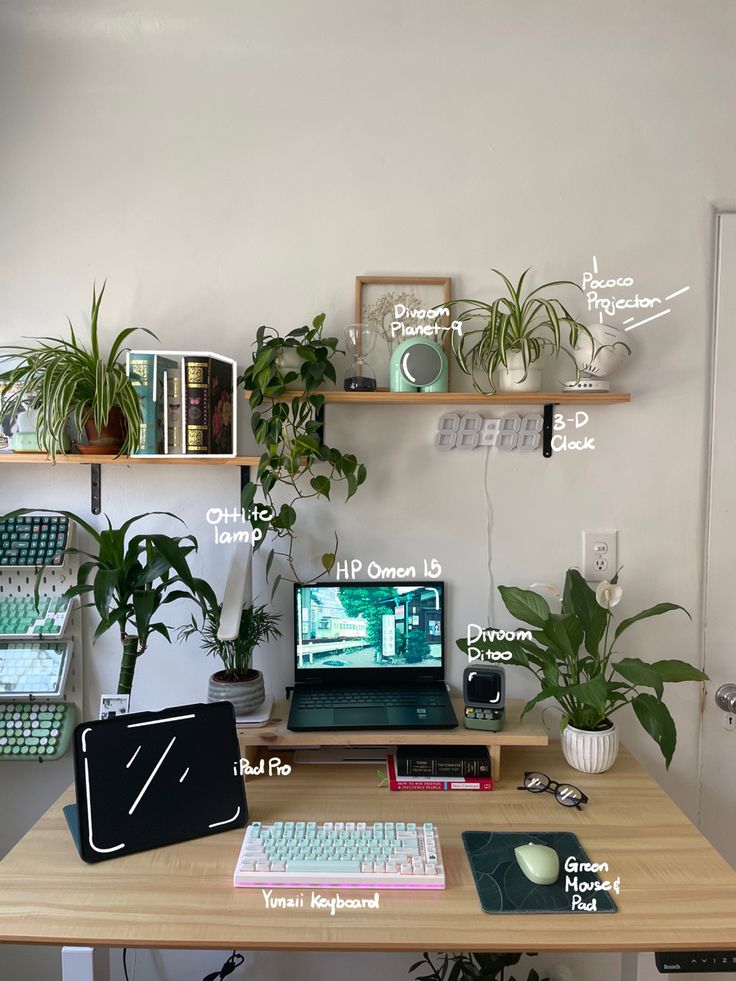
{"points": [[385, 698]]}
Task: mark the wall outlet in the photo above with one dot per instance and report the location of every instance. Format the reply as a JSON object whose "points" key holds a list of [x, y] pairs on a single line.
{"points": [[600, 555]]}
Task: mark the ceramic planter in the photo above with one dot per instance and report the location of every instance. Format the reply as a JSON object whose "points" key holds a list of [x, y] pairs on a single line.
{"points": [[289, 360], [246, 696], [590, 751], [509, 379]]}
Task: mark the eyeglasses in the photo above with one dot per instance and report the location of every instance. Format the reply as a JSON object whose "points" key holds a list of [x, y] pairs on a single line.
{"points": [[565, 793]]}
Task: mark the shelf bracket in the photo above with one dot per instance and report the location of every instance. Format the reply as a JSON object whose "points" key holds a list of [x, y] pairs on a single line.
{"points": [[547, 427], [320, 418], [244, 478], [95, 480]]}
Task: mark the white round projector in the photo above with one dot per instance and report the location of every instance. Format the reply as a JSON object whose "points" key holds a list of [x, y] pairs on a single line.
{"points": [[599, 355]]}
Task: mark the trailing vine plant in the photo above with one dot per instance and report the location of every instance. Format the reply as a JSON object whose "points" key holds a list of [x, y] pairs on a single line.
{"points": [[287, 426]]}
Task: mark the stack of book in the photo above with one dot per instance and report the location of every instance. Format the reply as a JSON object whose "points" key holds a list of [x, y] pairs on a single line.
{"points": [[440, 768], [187, 402]]}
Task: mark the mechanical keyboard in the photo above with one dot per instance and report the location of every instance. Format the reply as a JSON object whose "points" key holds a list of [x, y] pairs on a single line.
{"points": [[35, 730], [34, 540], [349, 854], [19, 616]]}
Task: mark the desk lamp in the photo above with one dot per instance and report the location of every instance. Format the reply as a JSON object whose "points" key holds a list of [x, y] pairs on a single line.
{"points": [[238, 591]]}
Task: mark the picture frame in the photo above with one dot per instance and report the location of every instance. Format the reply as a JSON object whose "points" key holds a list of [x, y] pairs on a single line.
{"points": [[376, 299]]}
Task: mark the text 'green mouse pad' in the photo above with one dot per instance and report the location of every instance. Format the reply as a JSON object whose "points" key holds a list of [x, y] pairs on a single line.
{"points": [[503, 887]]}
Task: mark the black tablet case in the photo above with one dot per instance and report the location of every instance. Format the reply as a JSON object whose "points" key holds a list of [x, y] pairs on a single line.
{"points": [[503, 887], [156, 778]]}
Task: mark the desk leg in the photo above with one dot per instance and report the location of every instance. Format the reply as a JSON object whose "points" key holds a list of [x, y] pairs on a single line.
{"points": [[630, 967], [85, 964]]}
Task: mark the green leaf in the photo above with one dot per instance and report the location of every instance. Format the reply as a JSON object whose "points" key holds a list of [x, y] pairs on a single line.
{"points": [[638, 672], [653, 611], [328, 560], [580, 599], [525, 605], [321, 484], [275, 586], [655, 718], [593, 693], [677, 671], [564, 633]]}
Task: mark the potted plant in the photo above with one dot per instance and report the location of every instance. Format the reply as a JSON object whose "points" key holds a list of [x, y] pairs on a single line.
{"points": [[572, 653], [517, 328], [287, 425], [128, 579], [237, 682], [61, 378], [470, 967]]}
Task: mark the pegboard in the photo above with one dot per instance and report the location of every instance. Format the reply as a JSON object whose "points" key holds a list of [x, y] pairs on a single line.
{"points": [[55, 580]]}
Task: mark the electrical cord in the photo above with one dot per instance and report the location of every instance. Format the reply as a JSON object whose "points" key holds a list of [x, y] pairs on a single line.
{"points": [[234, 961], [489, 538]]}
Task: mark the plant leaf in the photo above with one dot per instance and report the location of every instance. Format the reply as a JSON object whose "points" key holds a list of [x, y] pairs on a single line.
{"points": [[653, 611], [525, 605], [655, 718]]}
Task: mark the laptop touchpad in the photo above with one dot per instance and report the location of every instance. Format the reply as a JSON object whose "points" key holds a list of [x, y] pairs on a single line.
{"points": [[373, 716]]}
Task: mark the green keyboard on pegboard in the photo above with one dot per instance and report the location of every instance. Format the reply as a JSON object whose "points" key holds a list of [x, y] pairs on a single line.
{"points": [[34, 540], [35, 722], [20, 617], [35, 730]]}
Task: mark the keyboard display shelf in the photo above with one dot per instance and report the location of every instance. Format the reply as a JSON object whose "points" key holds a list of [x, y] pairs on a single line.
{"points": [[529, 732]]}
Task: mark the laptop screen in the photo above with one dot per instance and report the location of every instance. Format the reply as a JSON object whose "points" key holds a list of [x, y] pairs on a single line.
{"points": [[370, 626]]}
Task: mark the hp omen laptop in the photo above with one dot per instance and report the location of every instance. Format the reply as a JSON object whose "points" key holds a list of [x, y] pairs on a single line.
{"points": [[370, 655]]}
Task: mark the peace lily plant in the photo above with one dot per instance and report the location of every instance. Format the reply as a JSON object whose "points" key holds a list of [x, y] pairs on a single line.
{"points": [[573, 655]]}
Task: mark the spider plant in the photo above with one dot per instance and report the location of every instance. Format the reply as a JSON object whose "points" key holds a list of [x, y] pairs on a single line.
{"points": [[62, 378], [517, 323]]}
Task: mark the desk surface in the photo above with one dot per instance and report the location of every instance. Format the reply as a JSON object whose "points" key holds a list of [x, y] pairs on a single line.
{"points": [[677, 893]]}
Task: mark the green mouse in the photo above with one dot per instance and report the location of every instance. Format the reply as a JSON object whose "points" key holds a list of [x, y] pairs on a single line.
{"points": [[539, 863]]}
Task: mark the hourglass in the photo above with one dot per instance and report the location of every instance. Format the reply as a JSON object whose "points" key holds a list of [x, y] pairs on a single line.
{"points": [[360, 340]]}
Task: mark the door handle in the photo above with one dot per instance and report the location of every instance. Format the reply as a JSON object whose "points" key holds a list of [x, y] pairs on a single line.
{"points": [[726, 698]]}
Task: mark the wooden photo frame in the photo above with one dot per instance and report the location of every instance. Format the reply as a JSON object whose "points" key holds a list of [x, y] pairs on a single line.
{"points": [[376, 298]]}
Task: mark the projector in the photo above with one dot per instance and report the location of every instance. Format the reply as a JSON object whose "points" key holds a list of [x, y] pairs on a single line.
{"points": [[598, 357]]}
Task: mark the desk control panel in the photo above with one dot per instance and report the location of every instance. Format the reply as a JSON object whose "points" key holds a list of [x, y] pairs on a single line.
{"points": [[696, 961]]}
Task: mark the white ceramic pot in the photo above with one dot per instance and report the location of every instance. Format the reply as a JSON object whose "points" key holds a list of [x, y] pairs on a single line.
{"points": [[289, 360], [246, 696], [590, 751], [509, 379]]}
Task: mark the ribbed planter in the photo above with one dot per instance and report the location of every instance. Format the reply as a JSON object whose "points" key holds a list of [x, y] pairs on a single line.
{"points": [[246, 696], [509, 379], [590, 751]]}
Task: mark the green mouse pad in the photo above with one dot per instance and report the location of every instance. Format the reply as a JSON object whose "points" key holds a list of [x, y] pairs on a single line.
{"points": [[503, 887]]}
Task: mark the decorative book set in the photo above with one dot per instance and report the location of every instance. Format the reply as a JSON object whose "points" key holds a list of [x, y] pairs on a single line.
{"points": [[187, 402]]}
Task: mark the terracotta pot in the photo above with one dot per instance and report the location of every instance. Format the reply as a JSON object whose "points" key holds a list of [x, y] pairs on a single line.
{"points": [[110, 439], [246, 696], [590, 751]]}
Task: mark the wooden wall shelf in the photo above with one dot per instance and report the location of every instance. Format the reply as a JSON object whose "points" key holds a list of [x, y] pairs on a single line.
{"points": [[274, 735], [469, 398], [102, 458]]}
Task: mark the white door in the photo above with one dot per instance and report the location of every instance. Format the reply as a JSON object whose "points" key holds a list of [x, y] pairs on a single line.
{"points": [[718, 769]]}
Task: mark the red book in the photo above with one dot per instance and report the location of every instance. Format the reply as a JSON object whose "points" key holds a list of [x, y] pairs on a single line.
{"points": [[431, 783]]}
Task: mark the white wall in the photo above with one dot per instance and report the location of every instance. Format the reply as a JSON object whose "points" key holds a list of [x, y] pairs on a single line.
{"points": [[232, 164]]}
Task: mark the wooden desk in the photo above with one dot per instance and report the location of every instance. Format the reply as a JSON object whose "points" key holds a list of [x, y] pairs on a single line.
{"points": [[677, 893]]}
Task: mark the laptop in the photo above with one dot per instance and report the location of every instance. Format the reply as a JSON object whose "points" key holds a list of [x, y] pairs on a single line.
{"points": [[370, 655]]}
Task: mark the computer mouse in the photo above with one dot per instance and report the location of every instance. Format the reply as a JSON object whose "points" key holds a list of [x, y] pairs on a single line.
{"points": [[539, 863]]}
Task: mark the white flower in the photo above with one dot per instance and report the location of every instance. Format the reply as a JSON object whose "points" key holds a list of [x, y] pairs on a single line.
{"points": [[550, 589], [608, 595]]}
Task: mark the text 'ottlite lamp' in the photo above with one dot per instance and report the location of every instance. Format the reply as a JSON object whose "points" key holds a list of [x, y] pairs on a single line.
{"points": [[238, 591], [598, 356]]}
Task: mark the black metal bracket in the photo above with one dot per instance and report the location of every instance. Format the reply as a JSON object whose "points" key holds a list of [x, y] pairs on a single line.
{"points": [[95, 479], [547, 428], [320, 418], [244, 478]]}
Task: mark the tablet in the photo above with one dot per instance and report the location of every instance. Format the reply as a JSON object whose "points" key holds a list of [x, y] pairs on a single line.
{"points": [[157, 778]]}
